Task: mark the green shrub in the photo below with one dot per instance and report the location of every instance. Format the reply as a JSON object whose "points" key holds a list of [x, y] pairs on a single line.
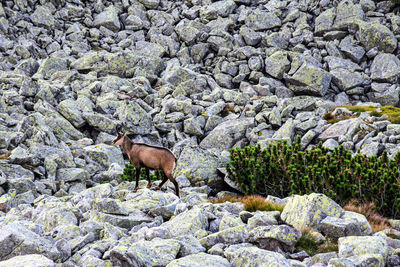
{"points": [[282, 170], [129, 174]]}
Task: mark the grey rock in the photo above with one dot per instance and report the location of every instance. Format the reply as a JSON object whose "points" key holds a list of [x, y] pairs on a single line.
{"points": [[335, 228], [309, 210], [104, 155], [31, 260], [360, 245], [376, 35], [275, 236], [346, 79], [250, 36], [108, 18], [43, 17], [199, 166], [17, 240], [50, 66], [200, 259], [187, 223], [216, 9], [157, 252], [277, 64], [309, 79], [385, 68], [233, 235], [353, 51], [261, 20], [226, 134], [253, 256]]}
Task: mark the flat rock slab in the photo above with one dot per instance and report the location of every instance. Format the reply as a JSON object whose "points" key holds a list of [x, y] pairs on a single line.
{"points": [[30, 260], [200, 260]]}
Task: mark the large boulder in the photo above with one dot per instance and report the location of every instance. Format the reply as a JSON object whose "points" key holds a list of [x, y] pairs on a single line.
{"points": [[105, 155], [137, 120], [275, 236], [385, 68], [376, 35], [16, 240], [309, 79], [187, 223], [309, 210], [43, 17], [199, 166], [199, 260], [30, 260], [108, 18], [361, 245], [253, 256], [261, 20], [226, 134], [233, 235], [157, 252]]}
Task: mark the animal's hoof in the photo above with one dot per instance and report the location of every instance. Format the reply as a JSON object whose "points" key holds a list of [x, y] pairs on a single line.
{"points": [[135, 190], [149, 185], [157, 188]]}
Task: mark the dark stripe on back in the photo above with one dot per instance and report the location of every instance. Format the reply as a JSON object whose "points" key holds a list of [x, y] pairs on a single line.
{"points": [[154, 146]]}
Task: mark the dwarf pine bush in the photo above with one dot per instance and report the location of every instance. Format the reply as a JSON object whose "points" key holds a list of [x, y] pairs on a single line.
{"points": [[129, 174], [282, 170]]}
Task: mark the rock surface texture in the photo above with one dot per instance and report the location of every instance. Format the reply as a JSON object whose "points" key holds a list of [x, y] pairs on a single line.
{"points": [[198, 77]]}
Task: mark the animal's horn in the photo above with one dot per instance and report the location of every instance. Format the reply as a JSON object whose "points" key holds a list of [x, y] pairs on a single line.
{"points": [[118, 128]]}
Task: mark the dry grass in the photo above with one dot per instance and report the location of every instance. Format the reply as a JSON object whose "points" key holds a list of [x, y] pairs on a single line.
{"points": [[311, 245], [251, 203], [377, 222], [6, 155], [393, 113]]}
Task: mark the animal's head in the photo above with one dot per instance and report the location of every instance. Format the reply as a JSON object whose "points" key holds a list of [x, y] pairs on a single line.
{"points": [[120, 136]]}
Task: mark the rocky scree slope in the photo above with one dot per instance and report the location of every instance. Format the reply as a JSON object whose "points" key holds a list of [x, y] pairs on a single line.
{"points": [[198, 77]]}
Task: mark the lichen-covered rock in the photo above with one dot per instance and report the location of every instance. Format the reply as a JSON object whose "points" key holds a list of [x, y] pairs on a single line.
{"points": [[68, 109], [334, 227], [199, 165], [274, 236], [105, 155], [53, 213], [219, 8], [360, 219], [157, 252], [309, 79], [30, 260], [360, 245], [263, 218], [336, 130], [385, 68], [43, 17], [108, 18], [100, 122], [277, 64], [225, 135], [16, 240], [309, 210], [199, 260], [187, 223], [346, 79], [376, 35], [50, 66], [189, 245], [253, 256], [124, 221], [137, 120], [233, 235], [261, 20], [72, 175], [320, 258], [324, 21]]}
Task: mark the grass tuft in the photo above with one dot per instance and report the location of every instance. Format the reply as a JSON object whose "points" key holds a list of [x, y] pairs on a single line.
{"points": [[309, 244], [393, 113], [251, 203], [369, 210]]}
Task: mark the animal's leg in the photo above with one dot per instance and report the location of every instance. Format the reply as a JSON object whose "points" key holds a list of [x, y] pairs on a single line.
{"points": [[148, 177], [137, 179], [162, 182], [172, 179]]}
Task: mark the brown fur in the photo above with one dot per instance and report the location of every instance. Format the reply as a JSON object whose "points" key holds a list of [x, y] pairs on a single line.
{"points": [[148, 157]]}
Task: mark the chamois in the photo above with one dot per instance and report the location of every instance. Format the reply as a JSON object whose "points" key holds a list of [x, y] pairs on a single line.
{"points": [[149, 157]]}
